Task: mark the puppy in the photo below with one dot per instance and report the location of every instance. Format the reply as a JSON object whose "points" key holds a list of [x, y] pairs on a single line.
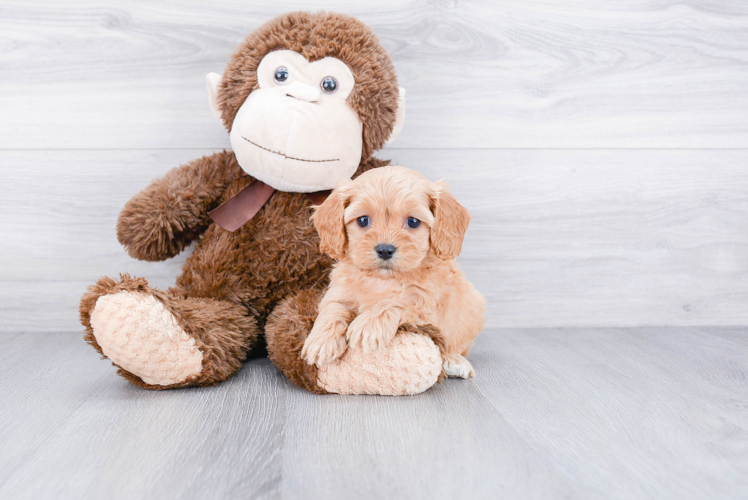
{"points": [[395, 235]]}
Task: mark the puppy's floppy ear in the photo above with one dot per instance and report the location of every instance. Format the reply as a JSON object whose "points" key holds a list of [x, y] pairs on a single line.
{"points": [[329, 221], [451, 220]]}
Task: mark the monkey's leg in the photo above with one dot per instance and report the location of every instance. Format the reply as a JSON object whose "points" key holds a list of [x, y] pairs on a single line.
{"points": [[410, 365], [161, 341]]}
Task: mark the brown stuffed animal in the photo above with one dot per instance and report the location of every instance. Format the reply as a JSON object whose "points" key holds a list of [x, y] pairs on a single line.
{"points": [[306, 98]]}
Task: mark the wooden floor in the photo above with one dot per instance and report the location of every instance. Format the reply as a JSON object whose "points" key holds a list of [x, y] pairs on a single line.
{"points": [[639, 413]]}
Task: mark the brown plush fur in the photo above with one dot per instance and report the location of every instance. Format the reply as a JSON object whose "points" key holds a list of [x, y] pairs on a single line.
{"points": [[273, 255], [167, 215], [233, 281], [286, 330]]}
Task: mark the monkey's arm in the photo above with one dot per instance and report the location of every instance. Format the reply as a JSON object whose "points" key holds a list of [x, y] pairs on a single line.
{"points": [[160, 221]]}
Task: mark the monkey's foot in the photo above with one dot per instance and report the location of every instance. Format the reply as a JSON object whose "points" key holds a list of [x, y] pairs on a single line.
{"points": [[140, 335], [409, 365]]}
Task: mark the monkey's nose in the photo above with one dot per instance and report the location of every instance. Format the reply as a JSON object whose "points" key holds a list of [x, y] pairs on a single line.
{"points": [[385, 251], [303, 92]]}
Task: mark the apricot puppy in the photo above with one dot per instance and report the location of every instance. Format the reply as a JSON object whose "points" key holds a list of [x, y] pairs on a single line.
{"points": [[395, 235]]}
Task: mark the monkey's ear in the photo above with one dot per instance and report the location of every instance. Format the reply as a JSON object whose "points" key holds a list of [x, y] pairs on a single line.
{"points": [[213, 80], [451, 221], [329, 220], [399, 119]]}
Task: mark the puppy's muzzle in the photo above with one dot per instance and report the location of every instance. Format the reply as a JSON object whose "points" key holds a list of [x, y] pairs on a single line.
{"points": [[385, 251]]}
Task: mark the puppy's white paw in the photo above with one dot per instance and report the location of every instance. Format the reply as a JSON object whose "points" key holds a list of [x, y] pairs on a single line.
{"points": [[369, 332], [457, 366], [323, 346]]}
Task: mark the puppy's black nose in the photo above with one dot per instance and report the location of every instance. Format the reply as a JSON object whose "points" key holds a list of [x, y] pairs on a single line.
{"points": [[385, 251]]}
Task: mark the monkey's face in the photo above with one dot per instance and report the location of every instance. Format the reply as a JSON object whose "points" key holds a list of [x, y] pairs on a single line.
{"points": [[304, 126], [297, 132]]}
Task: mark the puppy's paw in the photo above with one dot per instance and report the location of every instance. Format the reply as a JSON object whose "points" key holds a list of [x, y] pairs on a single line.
{"points": [[323, 346], [369, 332], [457, 366]]}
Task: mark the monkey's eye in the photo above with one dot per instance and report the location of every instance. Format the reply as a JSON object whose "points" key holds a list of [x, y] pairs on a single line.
{"points": [[281, 74], [363, 221], [413, 222], [329, 84]]}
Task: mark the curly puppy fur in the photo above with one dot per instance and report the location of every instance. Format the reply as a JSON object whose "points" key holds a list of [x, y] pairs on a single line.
{"points": [[233, 281], [395, 235]]}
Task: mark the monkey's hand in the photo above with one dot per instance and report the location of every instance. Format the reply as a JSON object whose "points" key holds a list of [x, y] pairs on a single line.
{"points": [[160, 221]]}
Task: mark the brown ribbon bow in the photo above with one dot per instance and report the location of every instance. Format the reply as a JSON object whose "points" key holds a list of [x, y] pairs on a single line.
{"points": [[240, 209]]}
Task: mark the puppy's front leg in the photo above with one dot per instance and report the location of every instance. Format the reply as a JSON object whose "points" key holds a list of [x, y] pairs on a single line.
{"points": [[326, 341], [375, 329]]}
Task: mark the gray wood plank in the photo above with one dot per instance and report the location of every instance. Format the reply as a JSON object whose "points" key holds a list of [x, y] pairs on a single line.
{"points": [[627, 413], [444, 444], [558, 238], [481, 73], [71, 428], [553, 413]]}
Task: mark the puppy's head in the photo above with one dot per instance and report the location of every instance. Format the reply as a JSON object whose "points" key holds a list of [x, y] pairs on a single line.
{"points": [[389, 219]]}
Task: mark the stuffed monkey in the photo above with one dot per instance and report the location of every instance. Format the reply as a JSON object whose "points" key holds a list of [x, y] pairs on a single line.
{"points": [[306, 99]]}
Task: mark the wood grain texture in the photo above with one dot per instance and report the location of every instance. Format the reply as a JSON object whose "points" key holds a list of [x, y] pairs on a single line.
{"points": [[617, 410], [479, 74], [71, 428], [554, 413], [558, 238]]}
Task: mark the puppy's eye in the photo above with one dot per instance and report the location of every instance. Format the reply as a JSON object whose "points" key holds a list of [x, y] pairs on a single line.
{"points": [[281, 74], [363, 221], [413, 222], [329, 84]]}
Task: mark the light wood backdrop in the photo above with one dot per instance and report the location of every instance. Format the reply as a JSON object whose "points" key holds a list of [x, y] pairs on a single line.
{"points": [[601, 147]]}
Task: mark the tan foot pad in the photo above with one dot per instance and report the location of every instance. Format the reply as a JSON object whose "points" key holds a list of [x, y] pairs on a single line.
{"points": [[138, 334], [410, 365]]}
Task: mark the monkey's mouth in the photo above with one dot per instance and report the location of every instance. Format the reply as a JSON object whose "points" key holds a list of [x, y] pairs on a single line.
{"points": [[285, 155]]}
